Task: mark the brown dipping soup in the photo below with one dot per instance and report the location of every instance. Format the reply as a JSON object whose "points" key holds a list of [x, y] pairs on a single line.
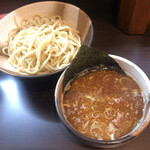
{"points": [[103, 105]]}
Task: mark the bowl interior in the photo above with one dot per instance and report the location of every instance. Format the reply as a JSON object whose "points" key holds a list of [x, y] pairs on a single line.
{"points": [[71, 14], [144, 83]]}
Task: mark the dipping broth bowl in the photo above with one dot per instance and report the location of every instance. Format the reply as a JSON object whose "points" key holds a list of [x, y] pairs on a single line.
{"points": [[140, 77]]}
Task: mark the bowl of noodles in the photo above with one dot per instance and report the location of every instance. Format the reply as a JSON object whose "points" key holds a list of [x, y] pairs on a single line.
{"points": [[44, 41]]}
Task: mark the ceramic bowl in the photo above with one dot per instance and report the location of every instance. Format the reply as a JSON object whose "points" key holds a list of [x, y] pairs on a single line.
{"points": [[71, 14]]}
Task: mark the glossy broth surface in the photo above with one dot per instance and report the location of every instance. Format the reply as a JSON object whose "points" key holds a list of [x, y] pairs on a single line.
{"points": [[103, 105]]}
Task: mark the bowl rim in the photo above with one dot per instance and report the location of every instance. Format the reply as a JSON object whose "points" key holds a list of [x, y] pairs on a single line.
{"points": [[106, 143], [6, 71]]}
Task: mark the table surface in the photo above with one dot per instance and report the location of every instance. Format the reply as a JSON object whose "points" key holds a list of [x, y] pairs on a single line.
{"points": [[28, 118]]}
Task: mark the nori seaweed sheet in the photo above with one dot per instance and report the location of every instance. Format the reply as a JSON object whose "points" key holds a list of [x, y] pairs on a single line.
{"points": [[89, 57]]}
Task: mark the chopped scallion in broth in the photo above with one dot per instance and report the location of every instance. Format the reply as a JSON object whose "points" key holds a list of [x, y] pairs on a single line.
{"points": [[104, 104]]}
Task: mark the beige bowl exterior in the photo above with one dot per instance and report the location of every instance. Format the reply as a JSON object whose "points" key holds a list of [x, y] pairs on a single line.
{"points": [[71, 14], [135, 72]]}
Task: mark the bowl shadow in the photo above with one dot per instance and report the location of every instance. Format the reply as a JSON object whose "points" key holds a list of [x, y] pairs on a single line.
{"points": [[36, 96]]}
